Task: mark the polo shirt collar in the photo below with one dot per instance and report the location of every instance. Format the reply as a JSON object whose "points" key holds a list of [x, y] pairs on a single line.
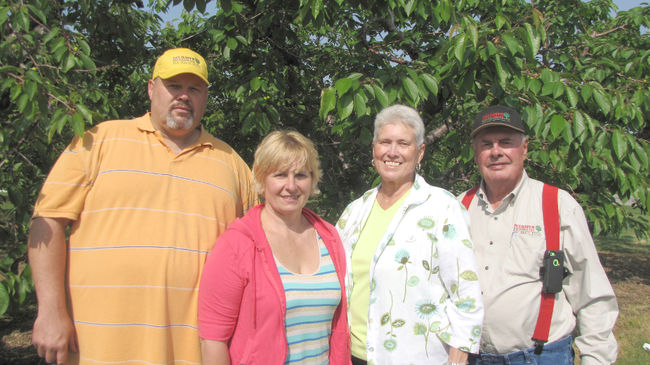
{"points": [[144, 124]]}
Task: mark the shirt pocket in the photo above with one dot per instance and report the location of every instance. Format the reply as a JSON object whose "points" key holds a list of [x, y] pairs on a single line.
{"points": [[526, 255]]}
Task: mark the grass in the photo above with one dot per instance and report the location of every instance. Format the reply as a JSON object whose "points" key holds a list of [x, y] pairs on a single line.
{"points": [[628, 262], [632, 328]]}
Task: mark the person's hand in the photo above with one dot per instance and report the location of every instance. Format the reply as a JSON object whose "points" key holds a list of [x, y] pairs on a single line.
{"points": [[53, 336], [457, 356]]}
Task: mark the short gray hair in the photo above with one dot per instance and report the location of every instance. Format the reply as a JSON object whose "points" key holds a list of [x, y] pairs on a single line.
{"points": [[400, 114]]}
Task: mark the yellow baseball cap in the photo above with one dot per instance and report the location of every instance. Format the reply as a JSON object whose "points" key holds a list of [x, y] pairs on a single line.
{"points": [[179, 61]]}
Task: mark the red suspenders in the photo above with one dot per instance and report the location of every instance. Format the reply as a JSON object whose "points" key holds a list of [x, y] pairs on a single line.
{"points": [[552, 232], [469, 196]]}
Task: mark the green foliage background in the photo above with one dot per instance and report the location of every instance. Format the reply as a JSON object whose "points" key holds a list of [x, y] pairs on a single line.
{"points": [[326, 67]]}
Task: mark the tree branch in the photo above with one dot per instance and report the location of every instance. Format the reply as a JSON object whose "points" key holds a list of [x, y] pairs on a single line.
{"points": [[437, 134], [594, 34]]}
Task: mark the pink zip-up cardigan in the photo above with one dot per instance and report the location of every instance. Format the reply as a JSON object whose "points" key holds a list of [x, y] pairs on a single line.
{"points": [[241, 297]]}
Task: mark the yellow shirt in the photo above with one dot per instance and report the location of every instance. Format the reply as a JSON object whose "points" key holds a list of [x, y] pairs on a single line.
{"points": [[144, 220], [363, 253]]}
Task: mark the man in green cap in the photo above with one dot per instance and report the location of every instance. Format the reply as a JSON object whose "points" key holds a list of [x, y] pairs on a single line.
{"points": [[540, 276]]}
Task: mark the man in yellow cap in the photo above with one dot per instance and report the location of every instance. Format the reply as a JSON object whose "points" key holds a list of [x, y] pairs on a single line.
{"points": [[146, 199]]}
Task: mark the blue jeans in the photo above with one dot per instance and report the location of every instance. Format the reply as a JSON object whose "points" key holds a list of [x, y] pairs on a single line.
{"points": [[555, 353]]}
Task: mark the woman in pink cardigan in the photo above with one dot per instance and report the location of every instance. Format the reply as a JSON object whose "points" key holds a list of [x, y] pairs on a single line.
{"points": [[272, 290]]}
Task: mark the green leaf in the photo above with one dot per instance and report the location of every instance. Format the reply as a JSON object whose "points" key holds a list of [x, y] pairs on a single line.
{"points": [[30, 88], [603, 101], [532, 41], [408, 7], [411, 88], [226, 6], [255, 83], [69, 62], [512, 43], [579, 126], [443, 10], [459, 50], [501, 74], [558, 89], [22, 20], [327, 102], [51, 34], [85, 112], [430, 82], [548, 76], [492, 49], [558, 123], [534, 85], [619, 144], [548, 88], [78, 124], [188, 5], [380, 95], [586, 91], [241, 40], [83, 45], [345, 106], [359, 104], [473, 34], [572, 95], [200, 5], [22, 102], [641, 154], [343, 85], [316, 7], [232, 43], [499, 21], [87, 62], [41, 16], [355, 76]]}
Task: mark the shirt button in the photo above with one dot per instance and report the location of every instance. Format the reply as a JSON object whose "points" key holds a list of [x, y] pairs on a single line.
{"points": [[486, 267], [495, 218], [491, 243]]}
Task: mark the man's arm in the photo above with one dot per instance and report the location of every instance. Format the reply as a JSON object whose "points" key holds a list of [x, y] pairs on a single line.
{"points": [[54, 332], [589, 291]]}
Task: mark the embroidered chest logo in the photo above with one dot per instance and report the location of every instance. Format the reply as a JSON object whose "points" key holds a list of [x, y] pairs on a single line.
{"points": [[527, 229]]}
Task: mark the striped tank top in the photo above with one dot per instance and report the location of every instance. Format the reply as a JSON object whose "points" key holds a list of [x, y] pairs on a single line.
{"points": [[311, 302]]}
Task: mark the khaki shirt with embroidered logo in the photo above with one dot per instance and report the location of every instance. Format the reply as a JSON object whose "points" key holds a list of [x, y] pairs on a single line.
{"points": [[509, 243]]}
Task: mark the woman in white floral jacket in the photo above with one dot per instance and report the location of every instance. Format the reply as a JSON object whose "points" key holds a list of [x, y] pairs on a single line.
{"points": [[412, 287]]}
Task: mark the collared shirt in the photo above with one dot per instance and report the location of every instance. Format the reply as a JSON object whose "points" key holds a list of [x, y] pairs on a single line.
{"points": [[424, 293], [144, 220], [509, 243]]}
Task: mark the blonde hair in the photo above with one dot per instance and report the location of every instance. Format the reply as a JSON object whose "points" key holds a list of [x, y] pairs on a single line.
{"points": [[278, 150]]}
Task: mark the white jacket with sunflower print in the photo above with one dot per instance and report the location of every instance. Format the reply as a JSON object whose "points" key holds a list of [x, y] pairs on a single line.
{"points": [[424, 289]]}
